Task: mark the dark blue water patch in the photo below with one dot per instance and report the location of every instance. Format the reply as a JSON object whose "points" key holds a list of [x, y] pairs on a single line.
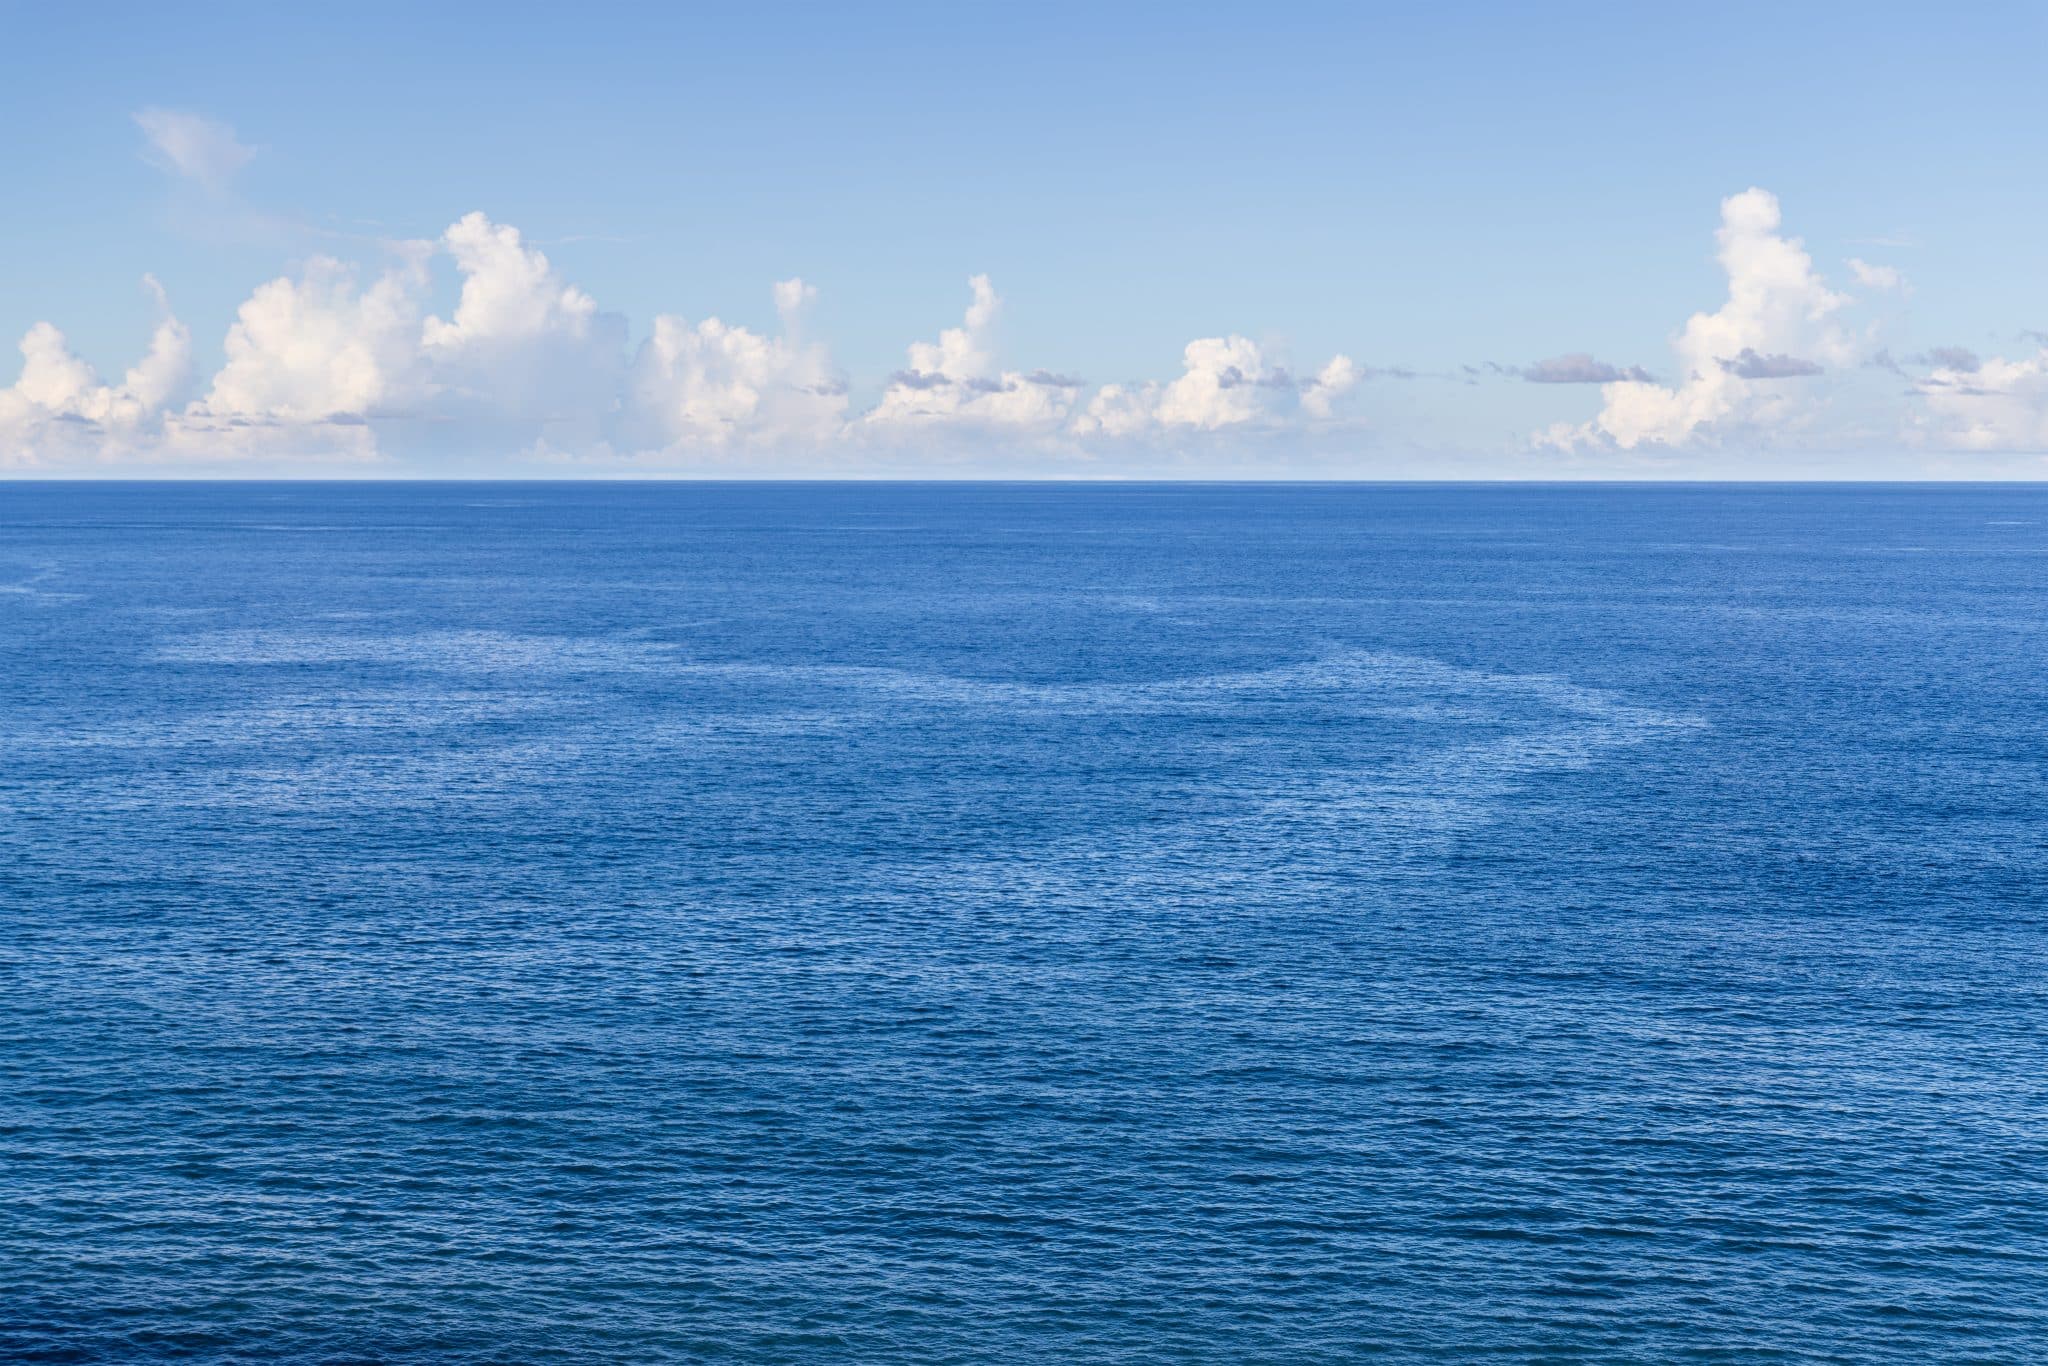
{"points": [[965, 923]]}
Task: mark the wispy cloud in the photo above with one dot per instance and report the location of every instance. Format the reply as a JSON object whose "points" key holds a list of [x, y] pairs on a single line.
{"points": [[193, 146], [1577, 367], [1751, 364], [1876, 277]]}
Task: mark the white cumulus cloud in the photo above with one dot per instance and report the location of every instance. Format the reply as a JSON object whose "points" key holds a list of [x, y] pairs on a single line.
{"points": [[315, 363], [1993, 404], [510, 293], [718, 385], [955, 380], [320, 346], [1224, 382], [308, 362], [336, 361], [1745, 366], [523, 345], [59, 412], [1338, 377]]}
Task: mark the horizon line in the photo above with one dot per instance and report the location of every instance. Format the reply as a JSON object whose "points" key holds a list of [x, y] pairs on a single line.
{"points": [[1281, 481]]}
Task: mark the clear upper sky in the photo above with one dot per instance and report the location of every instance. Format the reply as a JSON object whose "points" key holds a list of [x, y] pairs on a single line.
{"points": [[1543, 241]]}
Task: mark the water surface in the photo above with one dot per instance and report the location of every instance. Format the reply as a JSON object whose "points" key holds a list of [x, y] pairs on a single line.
{"points": [[969, 923]]}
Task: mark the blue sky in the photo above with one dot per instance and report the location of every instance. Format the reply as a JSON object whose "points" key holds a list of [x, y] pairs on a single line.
{"points": [[1448, 199]]}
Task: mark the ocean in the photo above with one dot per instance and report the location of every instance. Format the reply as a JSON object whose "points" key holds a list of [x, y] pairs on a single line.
{"points": [[973, 922]]}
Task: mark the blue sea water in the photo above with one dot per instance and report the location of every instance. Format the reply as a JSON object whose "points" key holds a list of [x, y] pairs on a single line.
{"points": [[1016, 923]]}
